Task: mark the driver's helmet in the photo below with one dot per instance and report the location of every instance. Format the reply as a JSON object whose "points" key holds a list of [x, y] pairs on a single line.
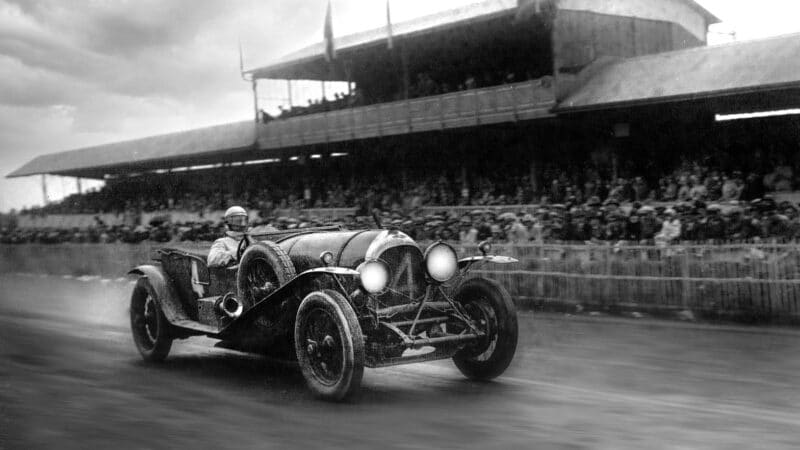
{"points": [[236, 219]]}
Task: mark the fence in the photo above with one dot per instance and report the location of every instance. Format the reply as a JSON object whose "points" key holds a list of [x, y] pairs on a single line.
{"points": [[756, 282]]}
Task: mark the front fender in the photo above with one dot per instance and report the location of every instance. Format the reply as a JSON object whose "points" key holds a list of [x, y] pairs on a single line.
{"points": [[297, 288], [167, 299], [493, 259]]}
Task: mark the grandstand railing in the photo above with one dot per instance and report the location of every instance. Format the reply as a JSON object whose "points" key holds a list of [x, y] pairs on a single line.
{"points": [[507, 103]]}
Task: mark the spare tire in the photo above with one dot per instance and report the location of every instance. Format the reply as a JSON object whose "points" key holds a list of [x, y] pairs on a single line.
{"points": [[263, 268]]}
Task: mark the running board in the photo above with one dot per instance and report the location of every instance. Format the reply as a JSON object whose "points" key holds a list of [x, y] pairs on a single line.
{"points": [[451, 339], [439, 353], [196, 327]]}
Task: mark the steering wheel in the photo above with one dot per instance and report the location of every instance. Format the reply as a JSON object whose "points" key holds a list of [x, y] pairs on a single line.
{"points": [[243, 244]]}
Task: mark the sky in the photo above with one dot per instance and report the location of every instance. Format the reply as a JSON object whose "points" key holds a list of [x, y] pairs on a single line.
{"points": [[75, 73]]}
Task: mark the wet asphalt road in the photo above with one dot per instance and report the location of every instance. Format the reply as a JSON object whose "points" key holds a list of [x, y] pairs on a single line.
{"points": [[71, 378]]}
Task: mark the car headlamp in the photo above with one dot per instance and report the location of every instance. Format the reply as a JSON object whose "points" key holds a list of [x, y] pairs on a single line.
{"points": [[441, 262], [374, 276]]}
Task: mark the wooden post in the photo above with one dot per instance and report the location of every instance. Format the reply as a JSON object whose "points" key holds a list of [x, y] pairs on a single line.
{"points": [[686, 283]]}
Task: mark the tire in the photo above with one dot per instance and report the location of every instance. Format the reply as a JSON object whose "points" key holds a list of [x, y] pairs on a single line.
{"points": [[263, 262], [329, 346], [491, 306], [152, 333]]}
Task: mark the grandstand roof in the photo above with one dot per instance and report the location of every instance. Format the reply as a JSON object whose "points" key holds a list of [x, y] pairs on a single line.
{"points": [[310, 63], [184, 148], [699, 73]]}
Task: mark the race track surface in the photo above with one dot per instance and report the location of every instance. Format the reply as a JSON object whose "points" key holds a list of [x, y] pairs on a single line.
{"points": [[70, 377]]}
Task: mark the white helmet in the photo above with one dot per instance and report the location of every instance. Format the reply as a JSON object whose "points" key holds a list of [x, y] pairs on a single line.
{"points": [[236, 219]]}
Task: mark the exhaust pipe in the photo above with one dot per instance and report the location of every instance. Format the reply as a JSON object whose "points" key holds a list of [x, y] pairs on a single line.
{"points": [[230, 306]]}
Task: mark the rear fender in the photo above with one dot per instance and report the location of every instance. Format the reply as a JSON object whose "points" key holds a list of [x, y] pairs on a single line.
{"points": [[167, 298]]}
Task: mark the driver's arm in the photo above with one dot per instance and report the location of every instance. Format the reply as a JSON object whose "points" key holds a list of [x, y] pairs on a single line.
{"points": [[219, 255]]}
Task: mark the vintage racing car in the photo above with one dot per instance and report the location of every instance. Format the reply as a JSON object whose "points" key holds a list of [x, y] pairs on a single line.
{"points": [[335, 300]]}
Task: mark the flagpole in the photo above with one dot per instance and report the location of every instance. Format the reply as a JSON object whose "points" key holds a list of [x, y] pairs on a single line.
{"points": [[389, 31], [330, 48]]}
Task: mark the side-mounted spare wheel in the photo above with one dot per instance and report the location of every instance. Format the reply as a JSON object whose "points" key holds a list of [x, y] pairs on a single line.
{"points": [[263, 268], [491, 307], [329, 345], [152, 333]]}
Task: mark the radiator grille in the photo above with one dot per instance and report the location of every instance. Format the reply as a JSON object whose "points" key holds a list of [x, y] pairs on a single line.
{"points": [[407, 275]]}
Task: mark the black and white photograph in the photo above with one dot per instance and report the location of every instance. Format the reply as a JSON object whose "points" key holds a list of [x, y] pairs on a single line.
{"points": [[410, 224]]}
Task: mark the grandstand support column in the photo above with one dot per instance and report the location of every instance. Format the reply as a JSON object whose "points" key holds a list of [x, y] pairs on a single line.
{"points": [[78, 185], [404, 64], [44, 190], [289, 91], [533, 175], [255, 98], [464, 182]]}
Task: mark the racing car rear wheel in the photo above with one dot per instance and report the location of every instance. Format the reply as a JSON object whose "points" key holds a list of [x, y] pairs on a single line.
{"points": [[329, 345], [151, 331], [491, 308], [263, 268]]}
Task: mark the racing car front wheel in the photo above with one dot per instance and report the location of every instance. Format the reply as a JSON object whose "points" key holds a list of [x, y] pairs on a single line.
{"points": [[492, 310], [151, 331], [329, 345]]}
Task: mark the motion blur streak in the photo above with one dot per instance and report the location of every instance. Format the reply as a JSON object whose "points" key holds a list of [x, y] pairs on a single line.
{"points": [[70, 378]]}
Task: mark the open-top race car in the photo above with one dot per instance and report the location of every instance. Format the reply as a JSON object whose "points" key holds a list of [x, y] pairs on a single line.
{"points": [[335, 300]]}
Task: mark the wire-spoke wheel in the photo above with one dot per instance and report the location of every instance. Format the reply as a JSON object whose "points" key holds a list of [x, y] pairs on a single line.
{"points": [[329, 345], [263, 268], [492, 311], [151, 331]]}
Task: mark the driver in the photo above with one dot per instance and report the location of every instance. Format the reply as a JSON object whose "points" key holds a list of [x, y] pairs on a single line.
{"points": [[223, 252]]}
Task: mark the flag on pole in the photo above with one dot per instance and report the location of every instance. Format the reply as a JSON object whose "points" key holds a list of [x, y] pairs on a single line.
{"points": [[330, 49], [389, 32]]}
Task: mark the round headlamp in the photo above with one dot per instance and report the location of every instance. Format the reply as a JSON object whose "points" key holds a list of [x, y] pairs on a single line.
{"points": [[441, 262], [374, 276]]}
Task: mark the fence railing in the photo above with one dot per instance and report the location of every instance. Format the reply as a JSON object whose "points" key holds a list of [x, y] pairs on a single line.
{"points": [[743, 281], [755, 281]]}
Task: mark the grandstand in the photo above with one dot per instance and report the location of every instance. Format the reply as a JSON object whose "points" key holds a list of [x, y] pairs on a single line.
{"points": [[489, 105]]}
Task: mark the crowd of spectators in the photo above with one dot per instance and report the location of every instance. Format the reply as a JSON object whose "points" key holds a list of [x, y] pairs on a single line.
{"points": [[593, 221], [693, 203], [423, 85], [374, 190], [339, 101]]}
